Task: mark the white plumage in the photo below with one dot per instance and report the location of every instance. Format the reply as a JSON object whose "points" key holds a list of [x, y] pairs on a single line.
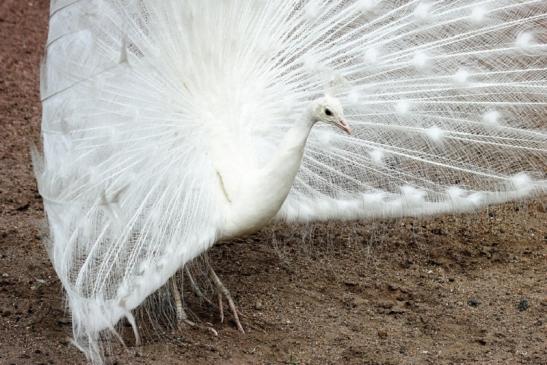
{"points": [[168, 125]]}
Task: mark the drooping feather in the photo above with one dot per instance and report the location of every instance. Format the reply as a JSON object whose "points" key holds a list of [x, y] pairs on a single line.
{"points": [[156, 114]]}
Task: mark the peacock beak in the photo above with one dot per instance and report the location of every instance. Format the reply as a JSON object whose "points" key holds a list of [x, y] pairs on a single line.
{"points": [[343, 125]]}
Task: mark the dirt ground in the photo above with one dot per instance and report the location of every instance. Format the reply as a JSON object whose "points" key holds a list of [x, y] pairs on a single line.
{"points": [[467, 289]]}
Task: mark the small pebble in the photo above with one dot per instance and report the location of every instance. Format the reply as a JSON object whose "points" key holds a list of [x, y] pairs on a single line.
{"points": [[382, 334], [6, 313], [386, 304], [63, 321], [473, 302], [358, 301], [258, 305], [523, 305]]}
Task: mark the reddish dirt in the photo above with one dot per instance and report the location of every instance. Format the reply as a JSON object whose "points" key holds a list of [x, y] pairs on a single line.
{"points": [[465, 289]]}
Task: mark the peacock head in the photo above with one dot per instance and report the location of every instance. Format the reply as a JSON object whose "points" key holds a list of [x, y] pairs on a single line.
{"points": [[328, 109]]}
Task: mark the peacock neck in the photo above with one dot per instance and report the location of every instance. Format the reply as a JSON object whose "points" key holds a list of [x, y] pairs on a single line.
{"points": [[264, 197], [283, 167]]}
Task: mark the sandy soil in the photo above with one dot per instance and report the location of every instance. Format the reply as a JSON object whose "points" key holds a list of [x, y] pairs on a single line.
{"points": [[452, 290]]}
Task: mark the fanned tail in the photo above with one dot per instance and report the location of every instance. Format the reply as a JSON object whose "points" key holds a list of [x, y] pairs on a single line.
{"points": [[126, 178], [447, 101]]}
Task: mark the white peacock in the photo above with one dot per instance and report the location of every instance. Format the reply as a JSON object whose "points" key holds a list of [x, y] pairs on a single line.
{"points": [[168, 125]]}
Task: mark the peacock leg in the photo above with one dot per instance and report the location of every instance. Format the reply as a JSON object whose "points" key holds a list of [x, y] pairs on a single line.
{"points": [[179, 302], [195, 287], [182, 317], [223, 292]]}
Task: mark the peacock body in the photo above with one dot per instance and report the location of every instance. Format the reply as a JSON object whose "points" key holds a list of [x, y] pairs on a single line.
{"points": [[168, 125]]}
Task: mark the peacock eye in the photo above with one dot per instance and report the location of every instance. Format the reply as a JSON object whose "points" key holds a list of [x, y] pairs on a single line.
{"points": [[328, 112]]}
